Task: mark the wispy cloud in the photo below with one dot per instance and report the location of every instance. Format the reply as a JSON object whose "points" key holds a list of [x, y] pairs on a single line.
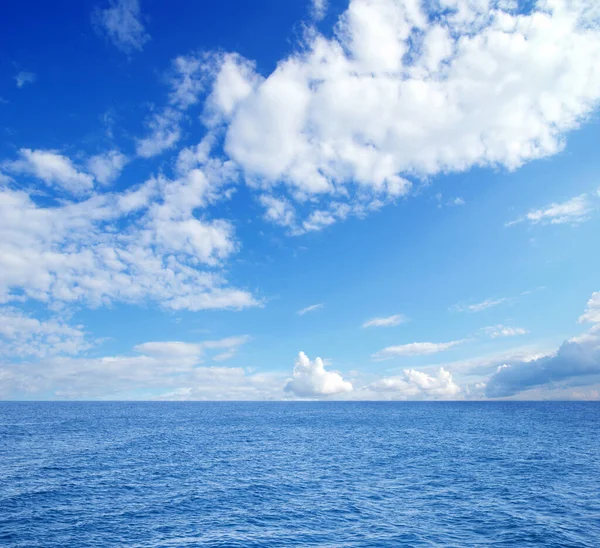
{"points": [[498, 331], [122, 25], [389, 321], [23, 78], [414, 349], [574, 211], [478, 307], [310, 308]]}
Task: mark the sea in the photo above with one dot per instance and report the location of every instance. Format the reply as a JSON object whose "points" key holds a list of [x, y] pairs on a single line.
{"points": [[279, 474]]}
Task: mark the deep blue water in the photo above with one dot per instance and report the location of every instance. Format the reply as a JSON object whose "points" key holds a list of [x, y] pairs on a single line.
{"points": [[299, 474]]}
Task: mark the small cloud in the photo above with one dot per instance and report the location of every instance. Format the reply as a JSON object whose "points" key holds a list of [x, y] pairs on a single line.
{"points": [[107, 167], [121, 23], [497, 331], [478, 307], [24, 78], [310, 379], [390, 321], [574, 211], [457, 201], [310, 308], [319, 9], [414, 349]]}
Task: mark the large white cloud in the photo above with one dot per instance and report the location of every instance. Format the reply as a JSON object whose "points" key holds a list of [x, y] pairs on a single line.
{"points": [[399, 91], [146, 243], [576, 358], [310, 379]]}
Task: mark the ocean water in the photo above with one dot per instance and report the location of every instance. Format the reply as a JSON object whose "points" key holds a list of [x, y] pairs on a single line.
{"points": [[299, 474]]}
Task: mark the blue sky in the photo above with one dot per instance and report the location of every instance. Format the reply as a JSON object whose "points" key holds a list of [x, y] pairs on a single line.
{"points": [[197, 201]]}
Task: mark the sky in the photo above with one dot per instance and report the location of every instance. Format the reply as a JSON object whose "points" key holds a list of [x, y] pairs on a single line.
{"points": [[364, 200]]}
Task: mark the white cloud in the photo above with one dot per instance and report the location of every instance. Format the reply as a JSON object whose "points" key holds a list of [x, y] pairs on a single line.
{"points": [[574, 211], [310, 308], [497, 331], [389, 321], [122, 25], [52, 168], [146, 243], [311, 380], [319, 9], [478, 307], [164, 134], [107, 167], [187, 80], [278, 211], [396, 92], [23, 78], [24, 336], [170, 370], [592, 312], [414, 349], [418, 385]]}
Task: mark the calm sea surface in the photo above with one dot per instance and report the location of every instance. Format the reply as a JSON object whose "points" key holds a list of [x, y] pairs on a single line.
{"points": [[299, 474]]}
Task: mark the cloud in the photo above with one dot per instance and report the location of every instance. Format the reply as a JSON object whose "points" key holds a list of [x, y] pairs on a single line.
{"points": [[311, 380], [478, 307], [418, 385], [23, 78], [497, 331], [572, 360], [22, 336], [574, 211], [319, 9], [578, 357], [107, 167], [310, 308], [155, 370], [414, 349], [121, 24], [53, 168], [592, 312], [143, 244], [396, 92], [390, 321], [187, 80]]}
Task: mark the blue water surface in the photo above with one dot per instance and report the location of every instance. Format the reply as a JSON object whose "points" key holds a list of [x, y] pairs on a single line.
{"points": [[299, 474]]}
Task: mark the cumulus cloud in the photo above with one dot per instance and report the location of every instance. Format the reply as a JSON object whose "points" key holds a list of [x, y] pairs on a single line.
{"points": [[414, 349], [572, 360], [400, 92], [23, 78], [578, 357], [107, 167], [311, 308], [53, 168], [574, 211], [310, 379], [145, 243], [592, 312], [415, 384], [389, 321], [121, 23], [497, 331]]}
